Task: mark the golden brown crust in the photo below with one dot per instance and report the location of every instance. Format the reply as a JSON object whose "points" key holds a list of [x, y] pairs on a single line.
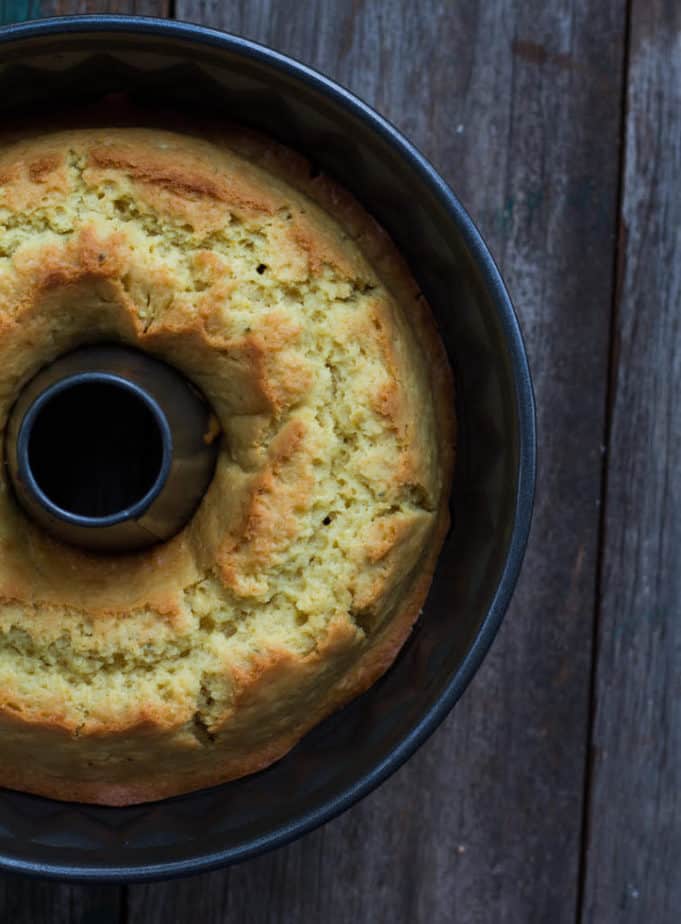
{"points": [[210, 656]]}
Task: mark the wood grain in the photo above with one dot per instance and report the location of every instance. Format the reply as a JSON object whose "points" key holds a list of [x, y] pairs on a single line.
{"points": [[635, 812], [27, 901], [20, 10], [518, 104]]}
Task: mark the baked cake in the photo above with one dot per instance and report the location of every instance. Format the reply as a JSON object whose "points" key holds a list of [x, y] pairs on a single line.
{"points": [[135, 677]]}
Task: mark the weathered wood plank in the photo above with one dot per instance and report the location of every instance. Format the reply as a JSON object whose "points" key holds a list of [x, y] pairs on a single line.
{"points": [[518, 104], [138, 7], [634, 853], [27, 901], [20, 10]]}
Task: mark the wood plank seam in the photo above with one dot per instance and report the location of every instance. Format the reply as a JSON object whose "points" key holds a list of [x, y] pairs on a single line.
{"points": [[619, 257]]}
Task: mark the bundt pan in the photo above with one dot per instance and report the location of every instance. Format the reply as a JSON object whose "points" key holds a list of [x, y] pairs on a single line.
{"points": [[156, 63]]}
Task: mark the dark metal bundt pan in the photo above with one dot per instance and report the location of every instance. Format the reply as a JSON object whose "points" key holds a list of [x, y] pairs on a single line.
{"points": [[78, 60]]}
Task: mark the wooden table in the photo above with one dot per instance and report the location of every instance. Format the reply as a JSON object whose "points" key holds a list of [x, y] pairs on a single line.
{"points": [[552, 794]]}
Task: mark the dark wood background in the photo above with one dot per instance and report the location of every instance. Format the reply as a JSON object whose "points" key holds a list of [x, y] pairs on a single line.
{"points": [[552, 794]]}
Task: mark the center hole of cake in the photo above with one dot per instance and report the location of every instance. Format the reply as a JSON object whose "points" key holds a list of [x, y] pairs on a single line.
{"points": [[95, 449]]}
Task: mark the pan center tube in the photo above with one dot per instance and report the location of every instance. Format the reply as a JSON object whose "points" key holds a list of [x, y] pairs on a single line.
{"points": [[110, 449], [95, 446]]}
